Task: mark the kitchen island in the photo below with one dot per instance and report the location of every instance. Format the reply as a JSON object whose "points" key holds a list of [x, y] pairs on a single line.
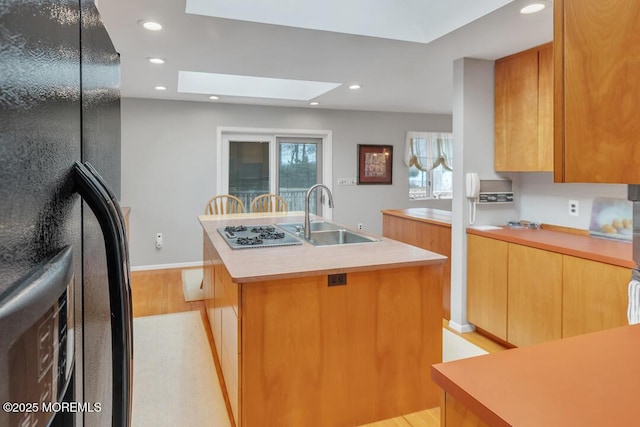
{"points": [[295, 350]]}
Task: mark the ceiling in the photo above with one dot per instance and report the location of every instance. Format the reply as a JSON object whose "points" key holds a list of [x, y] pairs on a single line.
{"points": [[401, 53]]}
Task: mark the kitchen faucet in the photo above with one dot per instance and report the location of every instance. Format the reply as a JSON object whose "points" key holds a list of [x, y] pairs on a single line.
{"points": [[307, 222]]}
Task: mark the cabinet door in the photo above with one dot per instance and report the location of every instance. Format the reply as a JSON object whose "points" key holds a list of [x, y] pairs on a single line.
{"points": [[487, 284], [594, 296], [290, 368], [516, 112], [524, 111], [597, 91], [535, 295]]}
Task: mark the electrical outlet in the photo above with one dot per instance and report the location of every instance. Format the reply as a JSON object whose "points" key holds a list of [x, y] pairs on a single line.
{"points": [[360, 226], [574, 208], [337, 279], [159, 240]]}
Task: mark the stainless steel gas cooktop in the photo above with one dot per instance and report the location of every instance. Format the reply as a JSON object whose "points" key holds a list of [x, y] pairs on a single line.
{"points": [[256, 236]]}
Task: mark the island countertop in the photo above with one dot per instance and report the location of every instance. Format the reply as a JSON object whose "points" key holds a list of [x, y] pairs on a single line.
{"points": [[261, 264]]}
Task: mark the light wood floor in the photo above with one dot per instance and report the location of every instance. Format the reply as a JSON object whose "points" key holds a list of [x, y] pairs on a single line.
{"points": [[160, 292], [155, 292]]}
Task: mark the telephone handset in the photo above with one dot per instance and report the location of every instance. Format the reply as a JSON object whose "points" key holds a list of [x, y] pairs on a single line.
{"points": [[473, 185], [473, 192]]}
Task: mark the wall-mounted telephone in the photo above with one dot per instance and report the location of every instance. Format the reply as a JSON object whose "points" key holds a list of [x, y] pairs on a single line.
{"points": [[473, 193], [473, 185]]}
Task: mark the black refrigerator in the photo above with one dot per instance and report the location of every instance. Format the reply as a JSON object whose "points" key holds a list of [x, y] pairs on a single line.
{"points": [[65, 309]]}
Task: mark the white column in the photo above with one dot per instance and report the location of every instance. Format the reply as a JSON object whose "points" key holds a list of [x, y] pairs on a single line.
{"points": [[473, 152]]}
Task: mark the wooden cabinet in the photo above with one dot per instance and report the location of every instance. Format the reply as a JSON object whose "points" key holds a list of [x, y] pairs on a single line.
{"points": [[597, 91], [314, 355], [299, 352], [432, 236], [595, 296], [221, 303], [454, 414], [535, 295], [487, 284], [526, 295], [524, 111]]}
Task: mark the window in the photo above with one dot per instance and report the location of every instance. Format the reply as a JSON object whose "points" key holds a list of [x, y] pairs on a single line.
{"points": [[299, 168], [429, 157], [255, 163]]}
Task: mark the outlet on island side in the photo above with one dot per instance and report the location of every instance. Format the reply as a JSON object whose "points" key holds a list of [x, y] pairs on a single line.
{"points": [[360, 226], [337, 279]]}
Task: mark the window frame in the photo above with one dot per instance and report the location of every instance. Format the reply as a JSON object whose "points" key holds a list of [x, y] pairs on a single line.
{"points": [[224, 133], [430, 192]]}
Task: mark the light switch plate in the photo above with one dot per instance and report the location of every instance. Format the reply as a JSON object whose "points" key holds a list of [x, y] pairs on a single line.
{"points": [[346, 181]]}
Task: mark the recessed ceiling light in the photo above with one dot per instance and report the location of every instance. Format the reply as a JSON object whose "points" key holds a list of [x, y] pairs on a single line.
{"points": [[160, 88], [150, 25], [532, 8], [314, 103], [214, 97], [156, 60], [354, 87]]}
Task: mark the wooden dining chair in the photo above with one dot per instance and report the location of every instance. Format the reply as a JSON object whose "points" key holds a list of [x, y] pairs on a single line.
{"points": [[269, 203], [224, 204]]}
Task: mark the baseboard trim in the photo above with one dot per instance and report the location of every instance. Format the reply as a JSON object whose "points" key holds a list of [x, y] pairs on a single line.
{"points": [[166, 266], [467, 327]]}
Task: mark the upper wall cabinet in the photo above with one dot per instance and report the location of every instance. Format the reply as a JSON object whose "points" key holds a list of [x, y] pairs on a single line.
{"points": [[597, 91], [524, 111]]}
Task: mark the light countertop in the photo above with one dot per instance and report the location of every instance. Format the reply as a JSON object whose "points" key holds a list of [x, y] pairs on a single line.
{"points": [[433, 216], [261, 264]]}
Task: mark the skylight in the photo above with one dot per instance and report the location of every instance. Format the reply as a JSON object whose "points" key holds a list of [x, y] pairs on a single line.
{"points": [[253, 87], [420, 21]]}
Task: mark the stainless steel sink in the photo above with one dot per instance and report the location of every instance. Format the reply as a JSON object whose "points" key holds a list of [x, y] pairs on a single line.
{"points": [[325, 233], [339, 237], [298, 227]]}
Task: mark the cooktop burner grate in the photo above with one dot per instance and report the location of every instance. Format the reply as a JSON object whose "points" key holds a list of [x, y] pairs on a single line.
{"points": [[258, 236]]}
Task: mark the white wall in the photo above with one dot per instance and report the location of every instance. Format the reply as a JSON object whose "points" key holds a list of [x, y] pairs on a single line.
{"points": [[541, 200], [168, 166]]}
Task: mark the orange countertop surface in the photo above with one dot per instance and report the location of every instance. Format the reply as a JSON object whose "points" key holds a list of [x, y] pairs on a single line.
{"points": [[578, 245], [587, 380], [433, 216]]}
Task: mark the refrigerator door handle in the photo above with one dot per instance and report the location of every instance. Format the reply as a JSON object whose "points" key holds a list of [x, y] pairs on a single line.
{"points": [[99, 199]]}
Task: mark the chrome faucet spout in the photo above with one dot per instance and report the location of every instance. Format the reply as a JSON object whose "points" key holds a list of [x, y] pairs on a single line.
{"points": [[307, 221]]}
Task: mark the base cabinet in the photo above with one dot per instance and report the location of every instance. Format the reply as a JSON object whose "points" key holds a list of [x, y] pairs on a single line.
{"points": [[595, 296], [535, 296], [526, 295], [297, 352], [487, 262], [430, 236], [455, 414]]}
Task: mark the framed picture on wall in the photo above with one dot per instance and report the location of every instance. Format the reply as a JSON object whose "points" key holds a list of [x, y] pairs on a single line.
{"points": [[375, 164]]}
